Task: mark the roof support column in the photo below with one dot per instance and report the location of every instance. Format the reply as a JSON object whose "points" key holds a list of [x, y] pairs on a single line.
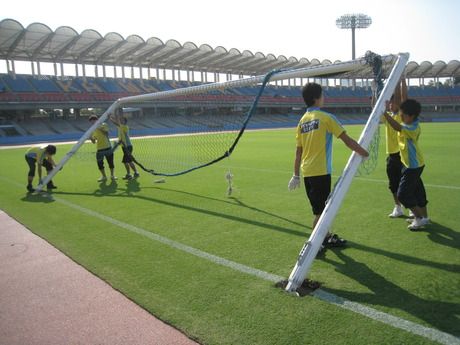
{"points": [[114, 71], [103, 71], [140, 73], [32, 67], [39, 72], [164, 74]]}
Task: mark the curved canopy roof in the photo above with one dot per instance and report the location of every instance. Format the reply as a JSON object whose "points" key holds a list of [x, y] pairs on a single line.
{"points": [[38, 42]]}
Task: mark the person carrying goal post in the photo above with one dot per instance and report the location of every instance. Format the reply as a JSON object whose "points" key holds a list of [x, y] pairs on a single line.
{"points": [[314, 154], [123, 137], [100, 137]]}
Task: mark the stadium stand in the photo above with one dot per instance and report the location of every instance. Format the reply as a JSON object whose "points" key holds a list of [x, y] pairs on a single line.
{"points": [[21, 95]]}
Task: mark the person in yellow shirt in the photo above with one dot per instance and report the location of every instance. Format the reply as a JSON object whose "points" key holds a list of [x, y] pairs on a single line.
{"points": [[393, 161], [124, 139], [314, 136], [411, 190], [100, 137], [38, 157]]}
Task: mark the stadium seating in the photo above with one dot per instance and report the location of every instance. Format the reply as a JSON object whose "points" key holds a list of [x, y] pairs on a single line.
{"points": [[19, 83]]}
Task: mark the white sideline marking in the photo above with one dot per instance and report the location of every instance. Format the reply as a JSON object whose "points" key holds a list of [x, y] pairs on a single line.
{"points": [[394, 321]]}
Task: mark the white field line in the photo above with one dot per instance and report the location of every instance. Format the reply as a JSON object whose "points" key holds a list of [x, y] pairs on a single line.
{"points": [[409, 326]]}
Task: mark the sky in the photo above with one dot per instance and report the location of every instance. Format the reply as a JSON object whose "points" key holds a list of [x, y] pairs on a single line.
{"points": [[427, 29]]}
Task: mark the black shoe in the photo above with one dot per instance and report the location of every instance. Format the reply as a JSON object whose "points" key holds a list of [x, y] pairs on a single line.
{"points": [[30, 189], [50, 187], [332, 241]]}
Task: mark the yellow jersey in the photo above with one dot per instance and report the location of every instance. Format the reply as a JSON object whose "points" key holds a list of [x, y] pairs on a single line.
{"points": [[392, 145], [314, 135], [101, 135], [37, 153], [411, 155], [123, 135]]}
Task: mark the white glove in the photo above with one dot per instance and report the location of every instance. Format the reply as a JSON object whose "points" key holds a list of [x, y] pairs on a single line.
{"points": [[294, 182]]}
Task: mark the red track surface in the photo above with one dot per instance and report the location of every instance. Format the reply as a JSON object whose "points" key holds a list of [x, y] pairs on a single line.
{"points": [[46, 298]]}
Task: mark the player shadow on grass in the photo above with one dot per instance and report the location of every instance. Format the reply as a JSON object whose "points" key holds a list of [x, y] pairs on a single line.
{"points": [[231, 217], [441, 315], [442, 235], [106, 188], [40, 197], [408, 259], [235, 202]]}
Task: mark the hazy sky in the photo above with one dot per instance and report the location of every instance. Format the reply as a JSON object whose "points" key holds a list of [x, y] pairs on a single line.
{"points": [[427, 29]]}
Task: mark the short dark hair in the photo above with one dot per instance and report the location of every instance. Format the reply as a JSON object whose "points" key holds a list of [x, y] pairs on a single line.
{"points": [[311, 92], [93, 117], [51, 149], [411, 107]]}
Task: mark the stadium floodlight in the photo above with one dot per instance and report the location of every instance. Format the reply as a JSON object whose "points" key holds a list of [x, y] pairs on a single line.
{"points": [[353, 21]]}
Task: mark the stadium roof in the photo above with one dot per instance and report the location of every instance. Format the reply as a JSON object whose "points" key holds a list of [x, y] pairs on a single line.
{"points": [[38, 42]]}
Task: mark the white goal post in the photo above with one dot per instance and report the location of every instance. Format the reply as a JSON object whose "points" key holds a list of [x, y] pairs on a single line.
{"points": [[312, 245]]}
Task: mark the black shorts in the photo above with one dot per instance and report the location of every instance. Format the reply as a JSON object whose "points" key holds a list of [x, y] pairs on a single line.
{"points": [[318, 189], [127, 154], [31, 162], [394, 167], [411, 191], [108, 154]]}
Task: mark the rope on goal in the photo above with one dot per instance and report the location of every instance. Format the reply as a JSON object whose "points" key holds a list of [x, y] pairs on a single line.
{"points": [[228, 151], [367, 166]]}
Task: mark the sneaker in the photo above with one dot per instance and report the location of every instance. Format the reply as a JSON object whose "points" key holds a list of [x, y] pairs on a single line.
{"points": [[334, 241], [397, 212], [411, 214], [128, 177], [136, 174], [418, 223], [113, 178], [30, 189], [51, 187], [424, 220], [102, 179]]}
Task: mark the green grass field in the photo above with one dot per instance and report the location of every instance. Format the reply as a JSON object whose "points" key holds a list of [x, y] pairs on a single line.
{"points": [[110, 229]]}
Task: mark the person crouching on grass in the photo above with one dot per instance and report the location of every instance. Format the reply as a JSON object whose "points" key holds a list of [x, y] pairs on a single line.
{"points": [[40, 156], [100, 137], [411, 191]]}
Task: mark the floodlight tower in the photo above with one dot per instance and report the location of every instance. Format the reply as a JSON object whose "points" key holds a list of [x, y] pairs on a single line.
{"points": [[353, 21]]}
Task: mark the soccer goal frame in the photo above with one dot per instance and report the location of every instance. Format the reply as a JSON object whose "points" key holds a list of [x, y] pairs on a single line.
{"points": [[336, 70]]}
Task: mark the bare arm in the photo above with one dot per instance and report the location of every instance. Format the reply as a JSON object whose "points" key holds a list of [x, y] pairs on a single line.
{"points": [[298, 158], [114, 120], [353, 145], [394, 124]]}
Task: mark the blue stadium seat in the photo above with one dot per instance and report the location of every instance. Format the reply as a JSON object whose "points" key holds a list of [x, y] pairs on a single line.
{"points": [[18, 84], [44, 84]]}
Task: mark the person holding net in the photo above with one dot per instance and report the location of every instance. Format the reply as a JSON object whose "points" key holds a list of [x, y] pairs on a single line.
{"points": [[100, 137], [394, 165], [123, 137], [38, 157], [314, 154], [411, 191]]}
